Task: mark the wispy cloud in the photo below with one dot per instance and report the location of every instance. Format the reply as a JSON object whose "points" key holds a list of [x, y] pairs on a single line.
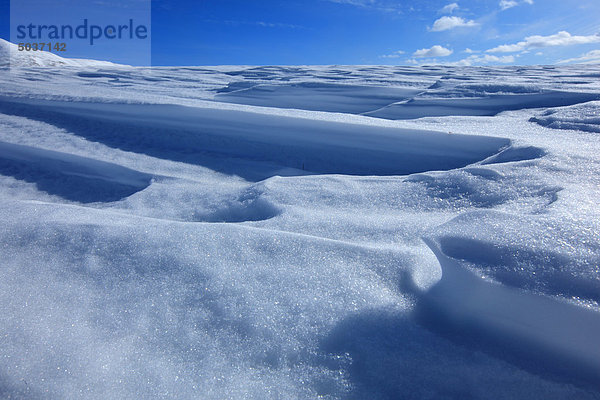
{"points": [[255, 23], [562, 38], [277, 25], [485, 59], [445, 23], [591, 57], [380, 5], [395, 54], [449, 9], [435, 51], [360, 3], [506, 4]]}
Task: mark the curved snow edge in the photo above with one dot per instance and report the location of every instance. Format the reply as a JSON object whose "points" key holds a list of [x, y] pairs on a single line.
{"points": [[556, 337]]}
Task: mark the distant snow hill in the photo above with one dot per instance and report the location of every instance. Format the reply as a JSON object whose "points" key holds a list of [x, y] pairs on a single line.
{"points": [[10, 56]]}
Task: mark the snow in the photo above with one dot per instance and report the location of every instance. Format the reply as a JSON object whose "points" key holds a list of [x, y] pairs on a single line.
{"points": [[331, 97], [72, 177], [298, 232], [195, 133], [579, 117]]}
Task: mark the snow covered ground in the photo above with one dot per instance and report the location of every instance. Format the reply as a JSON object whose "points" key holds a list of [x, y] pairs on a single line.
{"points": [[298, 232]]}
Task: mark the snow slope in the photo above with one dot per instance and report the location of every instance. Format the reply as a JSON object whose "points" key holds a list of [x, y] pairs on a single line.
{"points": [[177, 132], [332, 97], [340, 232]]}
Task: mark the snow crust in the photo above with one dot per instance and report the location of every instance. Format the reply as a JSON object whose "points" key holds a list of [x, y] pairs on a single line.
{"points": [[579, 117], [298, 232]]}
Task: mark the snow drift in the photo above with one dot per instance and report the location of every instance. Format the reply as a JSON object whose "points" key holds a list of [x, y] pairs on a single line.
{"points": [[244, 232]]}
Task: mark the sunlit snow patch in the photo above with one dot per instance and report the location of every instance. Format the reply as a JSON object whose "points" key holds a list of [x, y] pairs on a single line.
{"points": [[580, 117], [527, 317]]}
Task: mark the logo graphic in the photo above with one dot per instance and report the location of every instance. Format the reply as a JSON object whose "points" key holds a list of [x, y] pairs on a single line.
{"points": [[106, 30]]}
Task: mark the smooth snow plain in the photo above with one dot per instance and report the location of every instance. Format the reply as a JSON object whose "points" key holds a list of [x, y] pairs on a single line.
{"points": [[335, 232]]}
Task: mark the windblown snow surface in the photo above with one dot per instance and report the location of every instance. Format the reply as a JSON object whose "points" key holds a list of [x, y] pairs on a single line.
{"points": [[299, 232]]}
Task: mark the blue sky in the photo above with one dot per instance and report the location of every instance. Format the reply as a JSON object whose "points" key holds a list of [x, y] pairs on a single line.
{"points": [[258, 32]]}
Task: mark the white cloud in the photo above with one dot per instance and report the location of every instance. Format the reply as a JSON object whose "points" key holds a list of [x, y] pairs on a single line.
{"points": [[591, 57], [485, 59], [466, 62], [435, 51], [469, 51], [395, 54], [449, 9], [506, 4], [562, 38], [445, 23]]}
